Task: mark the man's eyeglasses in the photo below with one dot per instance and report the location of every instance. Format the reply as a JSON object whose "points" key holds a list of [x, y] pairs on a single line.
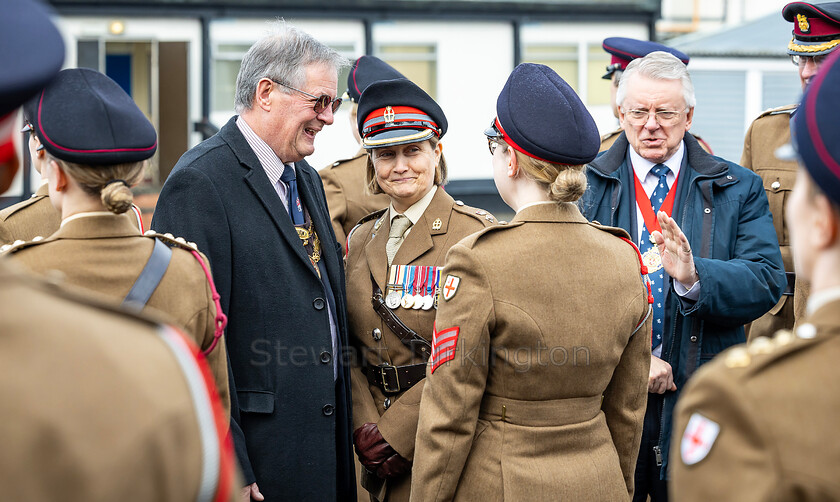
{"points": [[320, 102], [799, 61], [662, 117]]}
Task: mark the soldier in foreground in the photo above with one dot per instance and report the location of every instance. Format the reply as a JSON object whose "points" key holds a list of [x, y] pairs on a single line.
{"points": [[97, 404], [758, 423]]}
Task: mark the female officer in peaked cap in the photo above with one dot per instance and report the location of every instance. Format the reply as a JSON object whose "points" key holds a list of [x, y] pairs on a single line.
{"points": [[537, 383], [393, 264], [97, 142]]}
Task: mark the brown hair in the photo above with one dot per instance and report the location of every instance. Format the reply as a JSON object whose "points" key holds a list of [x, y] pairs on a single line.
{"points": [[564, 183], [111, 183], [441, 172]]}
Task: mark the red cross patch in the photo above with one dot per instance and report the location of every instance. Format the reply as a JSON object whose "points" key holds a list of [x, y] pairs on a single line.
{"points": [[443, 346], [697, 440], [450, 286]]}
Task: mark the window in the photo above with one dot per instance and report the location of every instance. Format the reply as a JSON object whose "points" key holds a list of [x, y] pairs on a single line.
{"points": [[597, 89], [227, 58], [561, 58], [417, 62]]}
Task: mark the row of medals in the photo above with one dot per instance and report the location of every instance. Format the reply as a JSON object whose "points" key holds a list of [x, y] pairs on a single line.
{"points": [[400, 290]]}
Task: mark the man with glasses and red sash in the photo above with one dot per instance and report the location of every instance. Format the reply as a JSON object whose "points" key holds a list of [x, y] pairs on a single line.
{"points": [[705, 233]]}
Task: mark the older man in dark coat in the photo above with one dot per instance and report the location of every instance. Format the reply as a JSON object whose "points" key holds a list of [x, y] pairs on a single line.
{"points": [[258, 211], [706, 236]]}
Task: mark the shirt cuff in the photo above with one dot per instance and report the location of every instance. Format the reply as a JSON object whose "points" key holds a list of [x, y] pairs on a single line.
{"points": [[692, 293]]}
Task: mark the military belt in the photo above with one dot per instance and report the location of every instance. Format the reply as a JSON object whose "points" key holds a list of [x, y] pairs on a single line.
{"points": [[552, 412], [395, 379]]}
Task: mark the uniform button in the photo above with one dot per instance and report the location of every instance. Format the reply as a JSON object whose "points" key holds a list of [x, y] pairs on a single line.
{"points": [[326, 357], [707, 210], [328, 410], [776, 185], [377, 334], [729, 177], [318, 303], [387, 403], [694, 338]]}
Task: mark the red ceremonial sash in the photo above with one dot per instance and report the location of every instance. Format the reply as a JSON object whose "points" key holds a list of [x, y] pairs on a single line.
{"points": [[642, 200]]}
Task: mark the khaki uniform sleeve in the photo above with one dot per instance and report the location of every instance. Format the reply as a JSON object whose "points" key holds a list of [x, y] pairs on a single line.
{"points": [[202, 329], [452, 395], [625, 399], [337, 204], [364, 407], [740, 453]]}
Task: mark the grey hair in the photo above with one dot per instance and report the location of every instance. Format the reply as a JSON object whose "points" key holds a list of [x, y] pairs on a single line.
{"points": [[282, 55], [657, 65]]}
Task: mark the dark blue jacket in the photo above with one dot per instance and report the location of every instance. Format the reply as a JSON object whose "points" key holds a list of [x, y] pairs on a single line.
{"points": [[723, 211]]}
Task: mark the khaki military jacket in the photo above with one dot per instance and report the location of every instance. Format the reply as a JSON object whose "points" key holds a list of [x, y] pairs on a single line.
{"points": [[608, 139], [347, 197], [759, 423], [537, 384], [97, 404], [443, 224], [766, 134], [30, 218], [104, 252]]}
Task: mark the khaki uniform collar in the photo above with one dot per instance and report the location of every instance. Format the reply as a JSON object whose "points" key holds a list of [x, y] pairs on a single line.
{"points": [[563, 212], [100, 224], [415, 212]]}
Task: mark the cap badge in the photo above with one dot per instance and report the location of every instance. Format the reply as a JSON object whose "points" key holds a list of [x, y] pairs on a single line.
{"points": [[389, 116], [437, 224], [699, 436], [804, 27]]}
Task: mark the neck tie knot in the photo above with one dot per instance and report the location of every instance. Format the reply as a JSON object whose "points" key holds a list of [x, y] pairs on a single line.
{"points": [[288, 175], [399, 226], [660, 170]]}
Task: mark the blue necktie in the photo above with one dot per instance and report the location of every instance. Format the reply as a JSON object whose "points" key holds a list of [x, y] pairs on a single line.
{"points": [[657, 278], [295, 209]]}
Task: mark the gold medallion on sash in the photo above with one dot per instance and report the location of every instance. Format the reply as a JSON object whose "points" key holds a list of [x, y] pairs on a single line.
{"points": [[652, 259]]}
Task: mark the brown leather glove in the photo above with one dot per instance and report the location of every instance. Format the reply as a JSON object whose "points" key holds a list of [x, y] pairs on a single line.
{"points": [[376, 454]]}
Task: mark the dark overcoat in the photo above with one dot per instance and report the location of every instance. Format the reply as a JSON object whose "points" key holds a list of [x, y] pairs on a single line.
{"points": [[290, 419]]}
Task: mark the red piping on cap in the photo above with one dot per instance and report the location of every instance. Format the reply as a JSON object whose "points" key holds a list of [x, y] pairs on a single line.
{"points": [[101, 150]]}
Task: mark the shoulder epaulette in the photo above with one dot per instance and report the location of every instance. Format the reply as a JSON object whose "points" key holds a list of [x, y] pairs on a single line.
{"points": [[787, 109], [611, 134], [475, 212], [172, 240], [343, 161], [5, 213], [470, 240], [372, 216], [19, 244], [762, 351]]}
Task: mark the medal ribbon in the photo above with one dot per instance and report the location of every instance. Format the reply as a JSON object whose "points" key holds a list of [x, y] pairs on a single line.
{"points": [[415, 284], [642, 200]]}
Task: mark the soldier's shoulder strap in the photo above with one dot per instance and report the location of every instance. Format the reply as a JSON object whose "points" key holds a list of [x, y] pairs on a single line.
{"points": [[786, 110]]}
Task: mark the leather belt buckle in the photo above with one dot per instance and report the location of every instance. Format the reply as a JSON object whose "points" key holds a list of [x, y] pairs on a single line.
{"points": [[389, 374]]}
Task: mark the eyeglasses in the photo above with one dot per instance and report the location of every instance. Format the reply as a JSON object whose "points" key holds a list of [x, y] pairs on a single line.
{"points": [[662, 117], [320, 102], [798, 60], [27, 127], [492, 144]]}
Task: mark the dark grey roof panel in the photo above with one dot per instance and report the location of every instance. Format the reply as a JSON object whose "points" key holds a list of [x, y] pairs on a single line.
{"points": [[766, 36]]}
